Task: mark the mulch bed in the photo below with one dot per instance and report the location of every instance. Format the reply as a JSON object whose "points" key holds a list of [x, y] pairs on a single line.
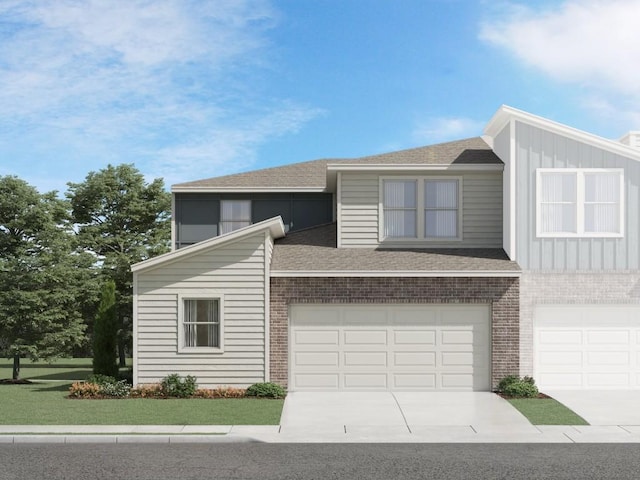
{"points": [[11, 381]]}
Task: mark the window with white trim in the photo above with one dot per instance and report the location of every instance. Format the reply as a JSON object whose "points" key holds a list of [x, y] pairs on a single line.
{"points": [[234, 214], [200, 323], [422, 208], [579, 202]]}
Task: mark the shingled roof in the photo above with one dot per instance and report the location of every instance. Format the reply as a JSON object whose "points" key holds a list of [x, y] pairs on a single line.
{"points": [[313, 174], [314, 250]]}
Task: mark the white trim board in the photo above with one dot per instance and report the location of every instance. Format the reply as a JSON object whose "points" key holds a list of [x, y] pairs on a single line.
{"points": [[394, 273]]}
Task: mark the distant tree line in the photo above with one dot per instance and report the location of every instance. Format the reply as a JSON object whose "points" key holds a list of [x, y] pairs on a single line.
{"points": [[58, 254]]}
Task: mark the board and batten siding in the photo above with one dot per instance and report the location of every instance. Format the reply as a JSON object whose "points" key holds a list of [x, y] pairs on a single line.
{"points": [[481, 203], [538, 148], [236, 270]]}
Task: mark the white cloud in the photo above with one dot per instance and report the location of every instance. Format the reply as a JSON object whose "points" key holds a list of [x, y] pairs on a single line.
{"points": [[592, 43], [156, 82], [446, 128]]}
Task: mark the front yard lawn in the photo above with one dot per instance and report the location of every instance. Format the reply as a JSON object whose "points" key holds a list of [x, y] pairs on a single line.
{"points": [[45, 404], [546, 411], [59, 369]]}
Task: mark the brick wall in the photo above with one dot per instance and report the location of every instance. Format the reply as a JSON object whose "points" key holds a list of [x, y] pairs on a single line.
{"points": [[568, 288], [501, 293]]}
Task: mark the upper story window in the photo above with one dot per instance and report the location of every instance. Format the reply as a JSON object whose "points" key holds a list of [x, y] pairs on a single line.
{"points": [[423, 208], [201, 324], [234, 214], [580, 202]]}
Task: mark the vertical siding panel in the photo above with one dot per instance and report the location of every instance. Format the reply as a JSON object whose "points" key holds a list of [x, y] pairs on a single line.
{"points": [[536, 148]]}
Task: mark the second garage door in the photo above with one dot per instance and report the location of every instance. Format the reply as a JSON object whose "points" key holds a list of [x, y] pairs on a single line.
{"points": [[389, 347], [587, 346]]}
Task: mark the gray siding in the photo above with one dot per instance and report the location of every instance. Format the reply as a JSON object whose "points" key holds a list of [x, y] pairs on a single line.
{"points": [[537, 148], [502, 148], [481, 202], [238, 271]]}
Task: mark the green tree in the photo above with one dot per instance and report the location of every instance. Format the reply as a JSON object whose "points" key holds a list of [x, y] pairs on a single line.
{"points": [[40, 275], [105, 333], [123, 220]]}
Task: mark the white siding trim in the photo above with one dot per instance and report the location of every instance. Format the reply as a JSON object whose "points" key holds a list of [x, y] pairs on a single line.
{"points": [[135, 329], [249, 189], [173, 222], [394, 273], [267, 302], [512, 190], [339, 210]]}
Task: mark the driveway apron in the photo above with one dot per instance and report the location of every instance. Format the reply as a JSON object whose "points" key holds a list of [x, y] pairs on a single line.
{"points": [[602, 407], [336, 411]]}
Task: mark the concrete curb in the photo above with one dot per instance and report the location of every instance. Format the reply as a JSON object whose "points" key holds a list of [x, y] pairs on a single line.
{"points": [[181, 434]]}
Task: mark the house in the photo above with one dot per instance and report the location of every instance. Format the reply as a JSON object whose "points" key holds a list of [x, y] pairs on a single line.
{"points": [[444, 267]]}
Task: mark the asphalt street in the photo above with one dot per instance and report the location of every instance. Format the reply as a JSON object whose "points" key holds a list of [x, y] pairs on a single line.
{"points": [[319, 461]]}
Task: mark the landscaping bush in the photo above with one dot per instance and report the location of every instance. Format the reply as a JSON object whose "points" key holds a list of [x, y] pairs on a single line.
{"points": [[100, 379], [514, 386], [266, 390], [221, 392], [127, 376], [105, 330], [175, 386], [85, 390], [153, 390], [116, 389]]}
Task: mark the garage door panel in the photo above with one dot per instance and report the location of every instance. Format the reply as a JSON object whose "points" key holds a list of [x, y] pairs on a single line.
{"points": [[328, 359], [365, 380], [426, 347], [415, 337], [415, 381], [317, 337], [317, 381], [414, 358], [608, 337], [365, 337], [373, 359], [587, 346]]}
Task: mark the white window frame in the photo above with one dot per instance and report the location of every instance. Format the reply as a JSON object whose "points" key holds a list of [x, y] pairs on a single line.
{"points": [[580, 203], [249, 220], [420, 209], [209, 295]]}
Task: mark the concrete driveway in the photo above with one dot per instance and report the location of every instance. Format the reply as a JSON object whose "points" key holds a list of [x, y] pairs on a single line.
{"points": [[484, 412], [602, 407]]}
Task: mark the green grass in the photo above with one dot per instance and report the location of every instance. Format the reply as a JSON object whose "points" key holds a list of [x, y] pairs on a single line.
{"points": [[59, 369], [45, 404], [546, 411]]}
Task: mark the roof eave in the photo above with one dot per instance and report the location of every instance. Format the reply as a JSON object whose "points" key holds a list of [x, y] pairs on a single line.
{"points": [[206, 189], [396, 273], [506, 113]]}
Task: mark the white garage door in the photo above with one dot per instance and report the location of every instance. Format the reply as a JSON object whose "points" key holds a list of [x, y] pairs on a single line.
{"points": [[587, 346], [389, 347]]}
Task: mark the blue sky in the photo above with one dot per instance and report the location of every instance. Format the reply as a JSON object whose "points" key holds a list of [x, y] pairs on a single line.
{"points": [[188, 89]]}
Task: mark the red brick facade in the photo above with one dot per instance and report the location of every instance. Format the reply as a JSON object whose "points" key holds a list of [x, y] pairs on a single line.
{"points": [[501, 293]]}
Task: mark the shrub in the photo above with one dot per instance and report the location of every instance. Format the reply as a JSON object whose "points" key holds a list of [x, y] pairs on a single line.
{"points": [[85, 390], [266, 390], [514, 386], [175, 386], [105, 332], [221, 392], [521, 388], [152, 390], [100, 379], [116, 389], [126, 375], [506, 381]]}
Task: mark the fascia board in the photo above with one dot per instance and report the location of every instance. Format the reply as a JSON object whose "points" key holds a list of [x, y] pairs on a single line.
{"points": [[385, 167], [505, 113], [274, 225], [203, 189], [398, 273]]}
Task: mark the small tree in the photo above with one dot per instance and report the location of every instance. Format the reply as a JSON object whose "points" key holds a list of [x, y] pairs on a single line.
{"points": [[105, 333]]}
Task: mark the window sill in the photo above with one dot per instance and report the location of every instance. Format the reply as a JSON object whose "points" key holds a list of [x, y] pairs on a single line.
{"points": [[188, 350]]}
